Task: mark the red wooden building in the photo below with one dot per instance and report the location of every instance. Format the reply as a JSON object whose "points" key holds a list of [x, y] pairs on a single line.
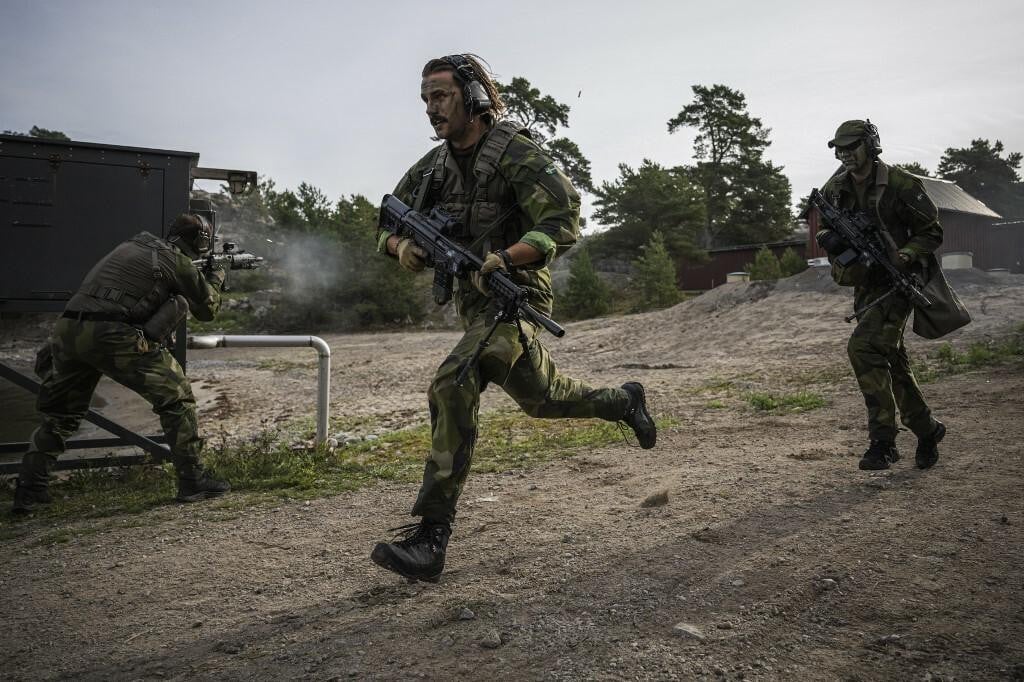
{"points": [[968, 226], [695, 276]]}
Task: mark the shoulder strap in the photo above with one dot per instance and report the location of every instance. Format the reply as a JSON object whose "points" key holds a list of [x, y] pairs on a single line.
{"points": [[494, 147], [432, 180]]}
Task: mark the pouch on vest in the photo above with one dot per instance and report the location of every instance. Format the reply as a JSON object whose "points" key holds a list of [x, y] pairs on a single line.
{"points": [[166, 319], [149, 305], [44, 361], [947, 312]]}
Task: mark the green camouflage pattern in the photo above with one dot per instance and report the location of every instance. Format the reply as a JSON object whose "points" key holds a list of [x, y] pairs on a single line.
{"points": [[533, 201], [134, 256], [82, 353], [539, 204], [882, 367], [876, 349], [529, 377], [84, 350]]}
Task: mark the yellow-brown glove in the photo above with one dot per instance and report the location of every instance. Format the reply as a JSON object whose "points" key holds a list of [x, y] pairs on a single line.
{"points": [[410, 256], [492, 262]]}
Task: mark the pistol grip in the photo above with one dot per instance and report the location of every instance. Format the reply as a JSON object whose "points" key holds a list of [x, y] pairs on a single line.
{"points": [[442, 287]]}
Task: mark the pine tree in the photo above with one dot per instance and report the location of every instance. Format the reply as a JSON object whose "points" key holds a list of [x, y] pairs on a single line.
{"points": [[655, 278], [765, 266], [790, 263], [587, 295]]}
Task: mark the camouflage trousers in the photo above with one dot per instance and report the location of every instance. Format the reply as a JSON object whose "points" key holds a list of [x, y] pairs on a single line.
{"points": [[882, 367], [82, 353], [527, 375]]}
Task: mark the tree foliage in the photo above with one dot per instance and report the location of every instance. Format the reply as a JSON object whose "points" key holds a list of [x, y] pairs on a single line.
{"points": [[654, 279], [41, 133], [915, 168], [746, 197], [647, 200], [544, 116], [765, 266], [983, 172], [587, 294], [328, 272], [790, 263]]}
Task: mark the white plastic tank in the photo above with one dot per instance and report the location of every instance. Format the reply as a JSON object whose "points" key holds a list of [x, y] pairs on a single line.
{"points": [[737, 277], [957, 260]]}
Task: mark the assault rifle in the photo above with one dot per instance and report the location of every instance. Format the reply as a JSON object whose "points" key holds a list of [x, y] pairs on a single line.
{"points": [[865, 245], [450, 260], [230, 258]]}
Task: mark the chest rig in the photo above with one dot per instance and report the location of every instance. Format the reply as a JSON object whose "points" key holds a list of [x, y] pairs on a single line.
{"points": [[130, 276], [484, 204]]}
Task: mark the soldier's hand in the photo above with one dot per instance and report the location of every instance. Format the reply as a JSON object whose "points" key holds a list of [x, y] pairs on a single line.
{"points": [[410, 256], [492, 262], [216, 276]]}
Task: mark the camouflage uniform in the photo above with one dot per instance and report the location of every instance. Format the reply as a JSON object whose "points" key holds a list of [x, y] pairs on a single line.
{"points": [[876, 349], [95, 337], [526, 198]]}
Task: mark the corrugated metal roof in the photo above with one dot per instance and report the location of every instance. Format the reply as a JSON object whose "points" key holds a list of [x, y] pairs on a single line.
{"points": [[948, 196]]}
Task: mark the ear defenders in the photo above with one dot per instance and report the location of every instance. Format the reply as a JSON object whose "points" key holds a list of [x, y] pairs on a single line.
{"points": [[872, 138], [473, 93]]}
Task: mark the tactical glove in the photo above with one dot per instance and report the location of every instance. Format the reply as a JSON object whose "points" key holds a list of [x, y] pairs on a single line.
{"points": [[410, 256], [831, 242], [216, 276], [492, 262]]}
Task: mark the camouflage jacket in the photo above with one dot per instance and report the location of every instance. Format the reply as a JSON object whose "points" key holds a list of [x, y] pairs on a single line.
{"points": [[526, 197], [139, 275], [898, 201]]}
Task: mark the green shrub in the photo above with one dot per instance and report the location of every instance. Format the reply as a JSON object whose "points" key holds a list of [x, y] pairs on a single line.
{"points": [[765, 265]]}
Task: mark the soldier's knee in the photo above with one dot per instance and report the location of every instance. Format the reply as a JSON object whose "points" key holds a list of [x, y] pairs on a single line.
{"points": [[45, 440], [856, 347]]}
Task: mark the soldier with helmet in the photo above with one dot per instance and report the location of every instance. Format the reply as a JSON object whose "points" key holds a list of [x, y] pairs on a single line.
{"points": [[114, 326], [517, 210], [908, 225]]}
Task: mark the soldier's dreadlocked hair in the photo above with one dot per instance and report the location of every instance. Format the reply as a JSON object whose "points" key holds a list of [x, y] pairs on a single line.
{"points": [[483, 75]]}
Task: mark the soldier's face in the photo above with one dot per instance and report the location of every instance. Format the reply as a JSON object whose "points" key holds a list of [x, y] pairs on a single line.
{"points": [[853, 157], [445, 110]]}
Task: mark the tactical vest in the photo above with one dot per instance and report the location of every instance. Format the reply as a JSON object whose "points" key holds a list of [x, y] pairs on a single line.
{"points": [[130, 276], [486, 212]]}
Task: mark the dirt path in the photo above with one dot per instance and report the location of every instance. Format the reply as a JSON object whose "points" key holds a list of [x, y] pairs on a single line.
{"points": [[787, 561]]}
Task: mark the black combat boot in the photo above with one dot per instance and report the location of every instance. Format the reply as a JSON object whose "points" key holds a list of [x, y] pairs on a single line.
{"points": [[637, 416], [26, 498], [880, 455], [33, 482], [419, 555], [197, 484], [928, 448]]}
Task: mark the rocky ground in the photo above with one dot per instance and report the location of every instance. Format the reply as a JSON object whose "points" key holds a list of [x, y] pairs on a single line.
{"points": [[763, 552]]}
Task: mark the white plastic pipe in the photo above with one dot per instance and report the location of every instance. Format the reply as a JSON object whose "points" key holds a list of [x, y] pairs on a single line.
{"points": [[271, 341]]}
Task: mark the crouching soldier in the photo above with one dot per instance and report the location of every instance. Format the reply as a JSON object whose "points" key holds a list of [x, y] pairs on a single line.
{"points": [[131, 300]]}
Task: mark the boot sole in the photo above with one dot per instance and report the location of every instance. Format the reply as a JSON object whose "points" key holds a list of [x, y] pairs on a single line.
{"points": [[642, 409], [928, 464], [384, 563]]}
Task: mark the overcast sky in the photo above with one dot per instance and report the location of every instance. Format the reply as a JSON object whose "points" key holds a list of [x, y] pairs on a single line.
{"points": [[328, 92]]}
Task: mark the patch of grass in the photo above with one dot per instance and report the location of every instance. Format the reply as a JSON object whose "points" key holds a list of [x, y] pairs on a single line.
{"points": [[271, 466], [947, 360], [802, 401], [714, 405]]}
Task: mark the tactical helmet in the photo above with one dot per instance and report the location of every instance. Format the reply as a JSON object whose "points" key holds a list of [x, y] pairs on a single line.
{"points": [[850, 132], [193, 229]]}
